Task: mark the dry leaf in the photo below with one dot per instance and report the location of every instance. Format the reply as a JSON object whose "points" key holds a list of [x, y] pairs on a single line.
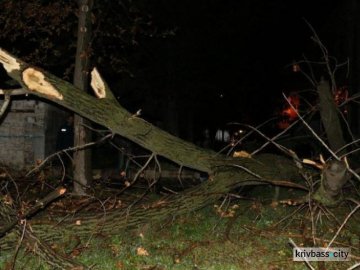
{"points": [[8, 200], [140, 251], [78, 222], [242, 154], [75, 253], [274, 204], [120, 265]]}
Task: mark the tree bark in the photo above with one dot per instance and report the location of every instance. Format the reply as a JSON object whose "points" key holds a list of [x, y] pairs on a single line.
{"points": [[334, 175], [333, 178], [30, 239], [330, 116], [115, 221], [82, 159]]}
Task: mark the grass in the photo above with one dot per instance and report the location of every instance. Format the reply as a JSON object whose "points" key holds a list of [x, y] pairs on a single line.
{"points": [[203, 240]]}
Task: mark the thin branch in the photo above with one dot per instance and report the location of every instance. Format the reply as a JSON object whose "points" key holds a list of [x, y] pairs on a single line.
{"points": [[137, 174], [19, 244], [40, 204], [179, 175], [343, 224], [311, 130], [345, 146], [159, 167], [75, 148], [14, 92], [5, 104], [305, 259], [249, 133], [325, 55], [278, 135], [271, 140]]}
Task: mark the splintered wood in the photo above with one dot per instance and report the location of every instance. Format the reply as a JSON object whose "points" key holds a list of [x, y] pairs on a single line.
{"points": [[35, 81], [97, 84], [10, 63]]}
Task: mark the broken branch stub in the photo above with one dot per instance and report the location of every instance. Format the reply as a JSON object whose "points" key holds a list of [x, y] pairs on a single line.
{"points": [[100, 87], [35, 81], [97, 84], [9, 62]]}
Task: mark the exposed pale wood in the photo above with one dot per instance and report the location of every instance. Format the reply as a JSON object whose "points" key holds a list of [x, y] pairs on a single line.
{"points": [[35, 81], [97, 84], [8, 61]]}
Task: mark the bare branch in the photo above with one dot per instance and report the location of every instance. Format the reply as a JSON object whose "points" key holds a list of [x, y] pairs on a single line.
{"points": [[75, 148], [5, 104], [14, 92], [311, 130], [343, 224], [9, 62]]}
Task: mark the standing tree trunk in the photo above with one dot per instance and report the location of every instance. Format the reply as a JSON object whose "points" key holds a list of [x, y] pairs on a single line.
{"points": [[334, 174], [82, 159], [330, 116]]}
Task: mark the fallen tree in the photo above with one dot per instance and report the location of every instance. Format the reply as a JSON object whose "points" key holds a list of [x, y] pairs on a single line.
{"points": [[225, 173], [104, 109]]}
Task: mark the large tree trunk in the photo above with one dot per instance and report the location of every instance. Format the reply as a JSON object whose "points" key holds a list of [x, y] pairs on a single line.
{"points": [[115, 221], [82, 159]]}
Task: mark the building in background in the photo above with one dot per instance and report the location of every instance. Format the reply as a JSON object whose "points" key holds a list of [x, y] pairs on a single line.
{"points": [[28, 132]]}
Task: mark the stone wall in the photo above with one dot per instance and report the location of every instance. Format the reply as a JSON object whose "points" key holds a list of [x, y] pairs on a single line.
{"points": [[28, 132]]}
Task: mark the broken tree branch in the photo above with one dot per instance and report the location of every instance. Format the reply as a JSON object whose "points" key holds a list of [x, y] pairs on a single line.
{"points": [[5, 104], [40, 204]]}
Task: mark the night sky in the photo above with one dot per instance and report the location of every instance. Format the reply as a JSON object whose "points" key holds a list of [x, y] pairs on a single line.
{"points": [[231, 60], [210, 62]]}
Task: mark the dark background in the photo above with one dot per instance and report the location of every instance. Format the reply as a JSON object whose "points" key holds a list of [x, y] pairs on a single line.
{"points": [[192, 64]]}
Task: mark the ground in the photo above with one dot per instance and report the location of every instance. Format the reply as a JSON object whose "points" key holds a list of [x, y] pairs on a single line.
{"points": [[250, 233]]}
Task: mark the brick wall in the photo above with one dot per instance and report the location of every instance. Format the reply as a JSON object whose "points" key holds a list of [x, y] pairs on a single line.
{"points": [[28, 132]]}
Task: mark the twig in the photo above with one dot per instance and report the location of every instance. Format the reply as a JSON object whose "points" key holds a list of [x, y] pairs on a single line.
{"points": [[311, 130], [142, 168], [14, 92], [343, 224], [75, 148], [277, 136], [249, 133], [300, 207], [5, 104], [19, 244], [267, 181], [305, 259], [137, 174], [39, 205], [345, 146], [63, 168], [354, 266], [271, 140], [325, 55], [179, 175], [159, 168]]}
